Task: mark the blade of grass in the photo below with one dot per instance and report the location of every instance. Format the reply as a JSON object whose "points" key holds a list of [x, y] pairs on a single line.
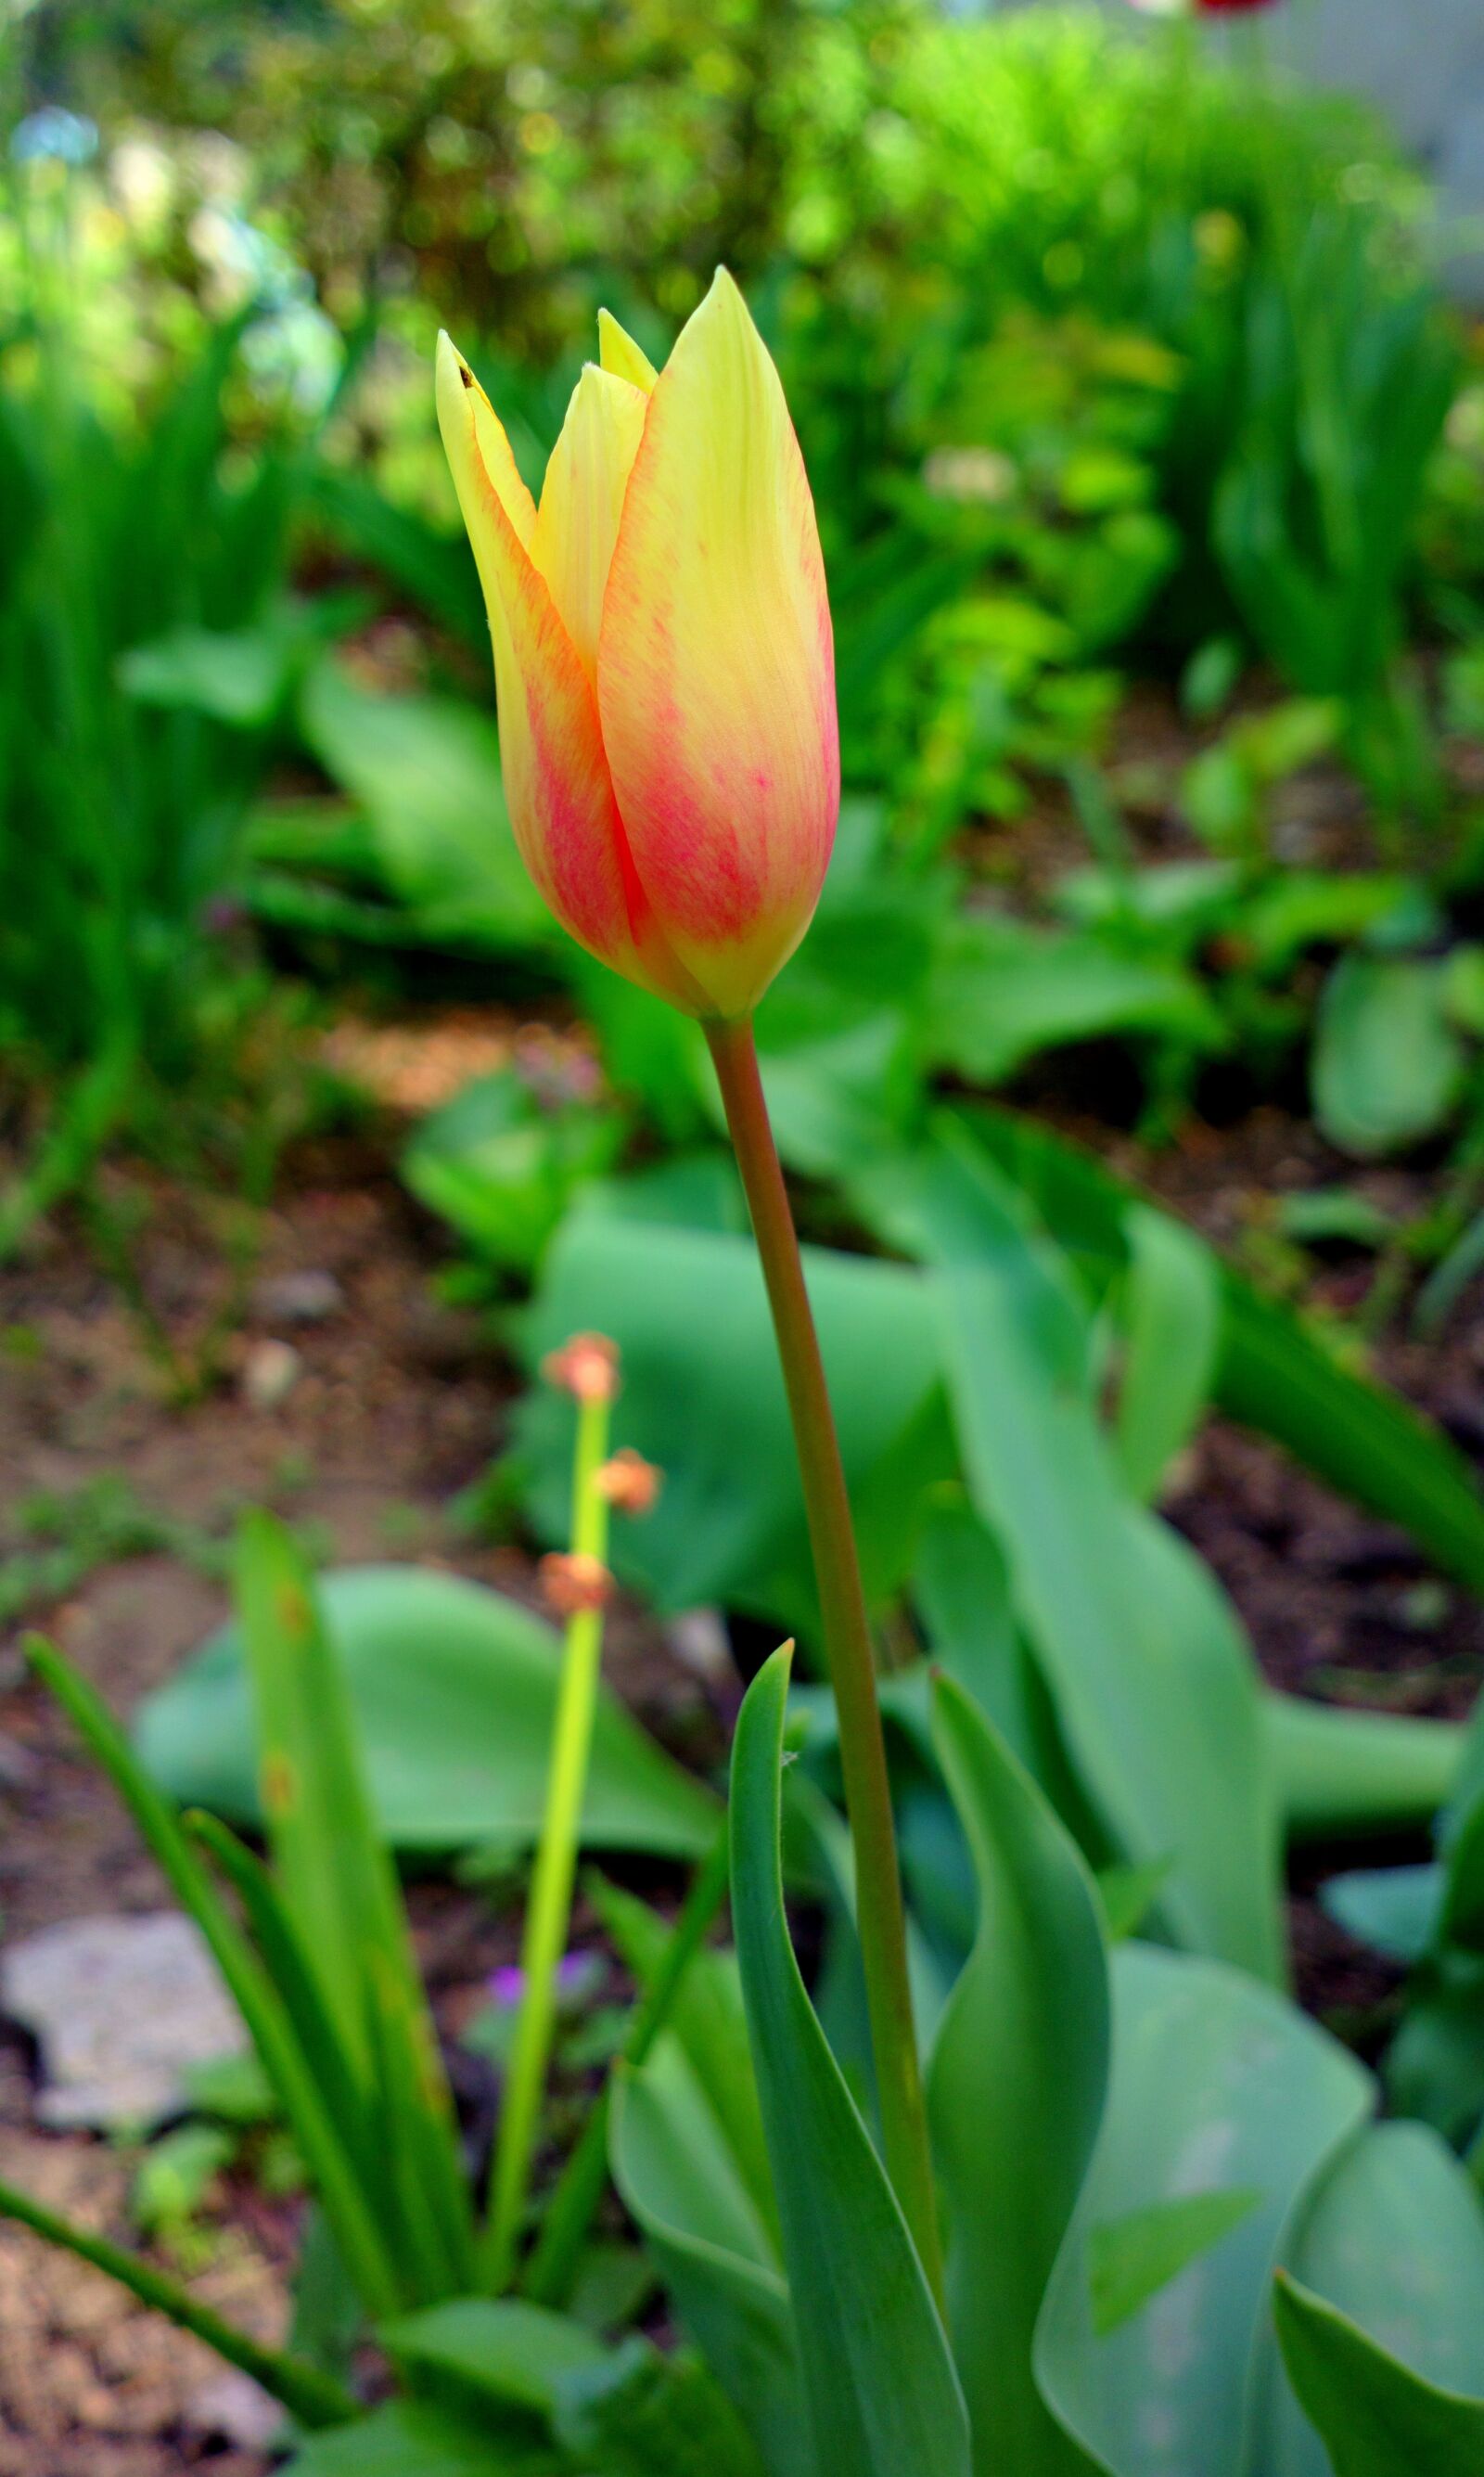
{"points": [[263, 2011], [314, 2398]]}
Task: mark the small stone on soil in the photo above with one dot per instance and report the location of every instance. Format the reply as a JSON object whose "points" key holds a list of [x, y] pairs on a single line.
{"points": [[119, 2007]]}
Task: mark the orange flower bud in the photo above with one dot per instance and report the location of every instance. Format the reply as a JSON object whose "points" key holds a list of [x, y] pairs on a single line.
{"points": [[629, 1482], [587, 1366], [664, 657], [573, 1583]]}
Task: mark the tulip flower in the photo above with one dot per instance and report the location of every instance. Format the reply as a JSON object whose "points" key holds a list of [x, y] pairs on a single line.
{"points": [[666, 672], [664, 657]]}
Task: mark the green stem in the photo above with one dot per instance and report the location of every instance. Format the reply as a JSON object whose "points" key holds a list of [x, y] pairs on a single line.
{"points": [[313, 2398], [549, 1914], [847, 1633], [551, 2273]]}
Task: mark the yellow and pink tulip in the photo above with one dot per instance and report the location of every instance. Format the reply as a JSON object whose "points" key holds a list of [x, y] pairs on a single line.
{"points": [[664, 657]]}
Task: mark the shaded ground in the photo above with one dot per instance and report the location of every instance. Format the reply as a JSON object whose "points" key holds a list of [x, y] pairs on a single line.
{"points": [[390, 1407]]}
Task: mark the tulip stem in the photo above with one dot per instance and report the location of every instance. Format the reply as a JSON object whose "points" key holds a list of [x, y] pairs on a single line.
{"points": [[847, 1633]]}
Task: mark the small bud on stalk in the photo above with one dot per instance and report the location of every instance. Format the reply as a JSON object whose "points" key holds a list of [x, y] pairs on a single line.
{"points": [[630, 1484], [586, 1368], [573, 1581]]}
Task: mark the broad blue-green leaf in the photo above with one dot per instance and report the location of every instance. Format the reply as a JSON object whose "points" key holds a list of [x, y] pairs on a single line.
{"points": [[1392, 2237], [1172, 1314], [1273, 1373], [426, 770], [1388, 1066], [503, 1167], [1016, 2087], [239, 678], [1392, 1908], [1218, 2084], [407, 2439], [491, 2359], [454, 1691], [1003, 992], [1377, 2419], [881, 2392], [704, 1398], [1156, 1691], [1131, 2258], [688, 2194], [645, 2415]]}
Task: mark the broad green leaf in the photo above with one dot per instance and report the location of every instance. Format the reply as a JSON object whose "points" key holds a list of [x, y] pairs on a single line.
{"points": [[1131, 2258], [503, 1167], [1172, 1313], [688, 2194], [1392, 1908], [1015, 2087], [428, 1658], [481, 2358], [881, 2392], [1217, 2085], [1392, 2237], [1387, 1066], [644, 2415], [704, 1398], [1376, 2419], [1002, 992], [1273, 1373], [1340, 1771], [407, 2439], [1156, 1691], [238, 679], [426, 770]]}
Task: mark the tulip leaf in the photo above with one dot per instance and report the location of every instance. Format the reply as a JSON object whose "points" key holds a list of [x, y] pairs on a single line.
{"points": [[1218, 2085], [1131, 2258], [1172, 1314], [1393, 2237], [1156, 1691], [407, 2438], [879, 2384], [1387, 1066], [688, 2193], [428, 1657], [1377, 2419], [1016, 2087]]}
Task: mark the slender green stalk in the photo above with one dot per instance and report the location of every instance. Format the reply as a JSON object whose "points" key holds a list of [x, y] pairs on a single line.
{"points": [[882, 1921], [549, 1912], [552, 2270], [313, 2398]]}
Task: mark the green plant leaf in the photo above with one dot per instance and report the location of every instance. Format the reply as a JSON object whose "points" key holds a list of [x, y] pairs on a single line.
{"points": [[689, 2195], [1391, 2236], [1217, 2085], [407, 2439], [426, 1658], [644, 2415], [1172, 1314], [704, 1398], [881, 2392], [1131, 2258], [340, 1892], [486, 2358], [1273, 1374], [1156, 1691], [1376, 2419], [1015, 2087], [503, 1168], [1003, 992], [426, 771], [1387, 1066], [313, 2398]]}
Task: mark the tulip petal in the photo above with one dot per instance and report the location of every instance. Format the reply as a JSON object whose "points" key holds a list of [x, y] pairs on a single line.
{"points": [[618, 351], [556, 780], [716, 665], [581, 501]]}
